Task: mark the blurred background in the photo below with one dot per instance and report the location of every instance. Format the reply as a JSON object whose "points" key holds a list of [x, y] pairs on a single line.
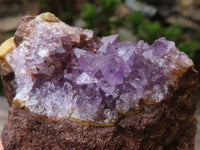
{"points": [[133, 20]]}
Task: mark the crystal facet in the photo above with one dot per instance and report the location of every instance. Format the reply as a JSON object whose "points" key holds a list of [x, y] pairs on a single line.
{"points": [[66, 72]]}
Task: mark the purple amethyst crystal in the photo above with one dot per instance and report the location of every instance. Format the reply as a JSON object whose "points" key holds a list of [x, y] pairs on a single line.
{"points": [[66, 72]]}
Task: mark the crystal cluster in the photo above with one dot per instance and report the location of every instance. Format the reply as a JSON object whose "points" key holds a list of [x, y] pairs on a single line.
{"points": [[67, 72]]}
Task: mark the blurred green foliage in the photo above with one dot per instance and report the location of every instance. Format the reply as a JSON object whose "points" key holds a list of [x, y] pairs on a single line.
{"points": [[189, 47], [44, 4], [89, 14], [174, 32], [109, 6], [136, 19], [149, 31], [68, 13], [100, 17]]}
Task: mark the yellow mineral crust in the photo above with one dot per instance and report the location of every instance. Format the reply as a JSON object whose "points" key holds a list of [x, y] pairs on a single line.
{"points": [[49, 17], [6, 47]]}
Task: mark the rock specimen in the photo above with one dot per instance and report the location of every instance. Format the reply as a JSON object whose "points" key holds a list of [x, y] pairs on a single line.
{"points": [[68, 89]]}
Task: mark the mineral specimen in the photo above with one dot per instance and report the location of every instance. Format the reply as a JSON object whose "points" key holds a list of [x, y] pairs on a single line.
{"points": [[84, 92], [66, 72]]}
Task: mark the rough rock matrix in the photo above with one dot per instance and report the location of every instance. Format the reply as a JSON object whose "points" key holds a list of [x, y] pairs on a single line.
{"points": [[128, 95]]}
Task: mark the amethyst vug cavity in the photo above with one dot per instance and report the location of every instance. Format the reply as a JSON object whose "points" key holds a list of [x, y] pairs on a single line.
{"points": [[67, 72]]}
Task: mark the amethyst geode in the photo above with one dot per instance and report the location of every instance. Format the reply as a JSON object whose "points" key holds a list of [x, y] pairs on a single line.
{"points": [[66, 74]]}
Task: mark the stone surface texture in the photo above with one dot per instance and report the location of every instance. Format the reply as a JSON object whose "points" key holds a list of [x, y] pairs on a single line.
{"points": [[68, 89]]}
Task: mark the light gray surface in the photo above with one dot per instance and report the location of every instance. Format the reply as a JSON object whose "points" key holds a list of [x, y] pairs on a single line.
{"points": [[4, 115], [3, 112]]}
